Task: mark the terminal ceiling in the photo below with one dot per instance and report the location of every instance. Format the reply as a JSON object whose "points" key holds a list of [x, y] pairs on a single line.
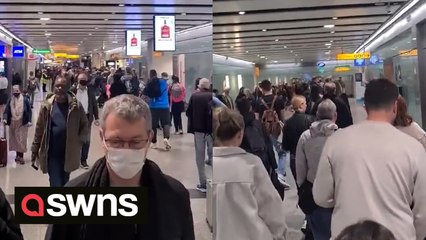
{"points": [[94, 25], [284, 31]]}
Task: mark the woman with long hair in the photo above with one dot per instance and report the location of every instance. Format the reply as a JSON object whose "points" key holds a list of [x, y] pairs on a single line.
{"points": [[247, 205], [406, 124]]}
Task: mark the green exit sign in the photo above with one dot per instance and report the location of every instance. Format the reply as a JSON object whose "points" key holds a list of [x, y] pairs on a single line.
{"points": [[41, 51]]}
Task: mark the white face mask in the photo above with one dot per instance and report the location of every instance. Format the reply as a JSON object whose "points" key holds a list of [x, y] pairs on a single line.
{"points": [[126, 163]]}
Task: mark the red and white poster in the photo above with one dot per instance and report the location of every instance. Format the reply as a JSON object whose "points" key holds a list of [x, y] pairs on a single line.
{"points": [[164, 33], [133, 43]]}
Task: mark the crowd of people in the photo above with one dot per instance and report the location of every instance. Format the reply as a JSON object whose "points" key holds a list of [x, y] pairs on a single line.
{"points": [[344, 173]]}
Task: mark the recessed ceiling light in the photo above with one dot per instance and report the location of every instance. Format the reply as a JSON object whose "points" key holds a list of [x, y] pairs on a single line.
{"points": [[106, 19], [335, 18], [231, 46], [332, 32], [96, 28], [328, 44], [266, 58], [301, 60], [275, 61], [258, 55], [264, 30], [296, 55], [121, 5], [40, 12], [247, 51], [414, 39], [276, 40], [183, 14], [329, 26], [262, 57], [114, 41], [44, 19], [242, 13], [331, 40], [48, 34], [291, 51], [90, 34], [327, 53]]}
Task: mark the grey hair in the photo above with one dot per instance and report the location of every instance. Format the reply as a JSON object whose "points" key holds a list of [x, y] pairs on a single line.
{"points": [[326, 110], [128, 107]]}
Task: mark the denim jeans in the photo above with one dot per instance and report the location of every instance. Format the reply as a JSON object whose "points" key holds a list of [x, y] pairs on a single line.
{"points": [[57, 175], [320, 223], [281, 156], [85, 151], [200, 142]]}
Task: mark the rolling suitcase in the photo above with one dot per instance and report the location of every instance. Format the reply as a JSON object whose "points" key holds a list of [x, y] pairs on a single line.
{"points": [[3, 148]]}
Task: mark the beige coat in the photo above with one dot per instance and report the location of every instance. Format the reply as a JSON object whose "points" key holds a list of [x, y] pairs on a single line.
{"points": [[416, 132], [373, 171], [77, 133], [246, 204]]}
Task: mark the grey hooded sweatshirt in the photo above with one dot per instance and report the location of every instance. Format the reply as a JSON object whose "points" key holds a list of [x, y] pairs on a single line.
{"points": [[309, 149]]}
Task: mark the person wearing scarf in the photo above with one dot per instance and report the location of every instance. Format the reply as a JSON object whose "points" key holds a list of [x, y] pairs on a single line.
{"points": [[126, 133], [17, 116]]}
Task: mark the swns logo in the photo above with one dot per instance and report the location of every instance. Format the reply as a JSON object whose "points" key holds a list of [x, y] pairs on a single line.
{"points": [[79, 205]]}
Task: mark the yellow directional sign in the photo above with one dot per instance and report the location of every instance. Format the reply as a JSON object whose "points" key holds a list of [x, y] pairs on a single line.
{"points": [[353, 56]]}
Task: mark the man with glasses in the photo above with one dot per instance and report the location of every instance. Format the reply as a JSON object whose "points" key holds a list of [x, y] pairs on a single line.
{"points": [[61, 130], [126, 133]]}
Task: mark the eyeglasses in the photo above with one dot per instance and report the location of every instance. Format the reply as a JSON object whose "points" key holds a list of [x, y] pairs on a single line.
{"points": [[115, 143]]}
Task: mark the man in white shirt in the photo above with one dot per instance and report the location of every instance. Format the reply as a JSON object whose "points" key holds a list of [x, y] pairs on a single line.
{"points": [[86, 96], [373, 171]]}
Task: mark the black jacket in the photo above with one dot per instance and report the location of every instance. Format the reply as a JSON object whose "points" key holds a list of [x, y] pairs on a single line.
{"points": [[199, 113], [293, 129], [344, 115], [93, 110], [9, 229], [256, 141], [169, 210]]}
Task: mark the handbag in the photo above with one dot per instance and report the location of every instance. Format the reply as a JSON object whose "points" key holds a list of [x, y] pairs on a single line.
{"points": [[306, 199]]}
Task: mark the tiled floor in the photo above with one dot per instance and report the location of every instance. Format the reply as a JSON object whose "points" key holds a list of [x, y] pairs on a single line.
{"points": [[178, 163]]}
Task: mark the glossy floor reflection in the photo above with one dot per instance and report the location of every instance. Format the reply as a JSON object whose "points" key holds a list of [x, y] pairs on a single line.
{"points": [[178, 163]]}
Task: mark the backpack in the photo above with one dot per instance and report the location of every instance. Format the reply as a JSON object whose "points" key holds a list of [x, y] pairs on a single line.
{"points": [[176, 90], [153, 88], [270, 119]]}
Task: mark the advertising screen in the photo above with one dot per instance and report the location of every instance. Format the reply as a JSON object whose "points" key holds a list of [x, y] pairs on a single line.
{"points": [[133, 42], [164, 33]]}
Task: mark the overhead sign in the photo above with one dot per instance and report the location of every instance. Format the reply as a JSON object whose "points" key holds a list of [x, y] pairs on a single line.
{"points": [[374, 59], [133, 43], [408, 53], [18, 51], [73, 56], [41, 51], [164, 33], [353, 56], [359, 62], [2, 51], [343, 68], [60, 55]]}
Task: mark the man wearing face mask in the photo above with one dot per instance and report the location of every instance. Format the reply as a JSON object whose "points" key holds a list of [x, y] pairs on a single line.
{"points": [[61, 130], [126, 133], [85, 94]]}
